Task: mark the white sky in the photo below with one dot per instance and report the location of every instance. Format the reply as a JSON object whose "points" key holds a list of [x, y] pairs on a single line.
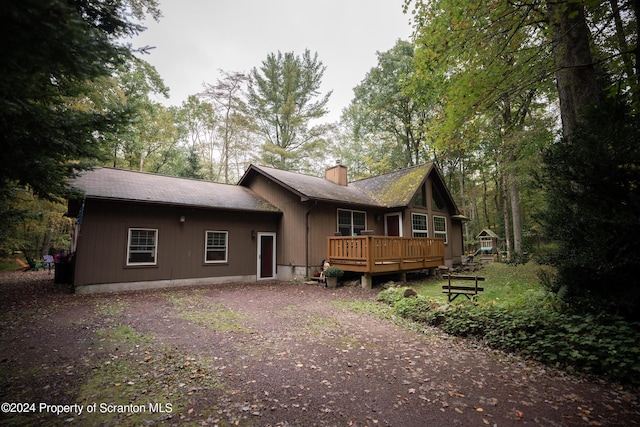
{"points": [[196, 38]]}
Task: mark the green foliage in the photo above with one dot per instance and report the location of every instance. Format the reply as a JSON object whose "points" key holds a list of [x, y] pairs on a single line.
{"points": [[593, 191], [57, 56], [333, 272], [382, 111], [283, 100], [34, 226], [530, 323]]}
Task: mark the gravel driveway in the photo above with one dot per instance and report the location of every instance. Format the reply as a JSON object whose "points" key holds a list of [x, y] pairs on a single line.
{"points": [[267, 354]]}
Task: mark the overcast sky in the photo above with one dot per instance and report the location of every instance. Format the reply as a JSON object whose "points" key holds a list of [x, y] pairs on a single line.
{"points": [[196, 38]]}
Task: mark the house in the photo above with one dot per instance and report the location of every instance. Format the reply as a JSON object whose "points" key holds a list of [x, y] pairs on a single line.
{"points": [[140, 230]]}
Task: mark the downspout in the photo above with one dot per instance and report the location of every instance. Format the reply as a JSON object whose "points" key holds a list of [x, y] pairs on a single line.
{"points": [[306, 235]]}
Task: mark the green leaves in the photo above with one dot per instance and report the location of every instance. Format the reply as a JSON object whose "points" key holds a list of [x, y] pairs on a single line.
{"points": [[604, 345], [283, 98]]}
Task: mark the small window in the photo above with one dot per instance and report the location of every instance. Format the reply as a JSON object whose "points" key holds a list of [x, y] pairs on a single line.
{"points": [[142, 247], [419, 225], [216, 247], [440, 227], [351, 223]]}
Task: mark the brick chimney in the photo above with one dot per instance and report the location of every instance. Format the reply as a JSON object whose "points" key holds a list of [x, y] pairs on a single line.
{"points": [[337, 174]]}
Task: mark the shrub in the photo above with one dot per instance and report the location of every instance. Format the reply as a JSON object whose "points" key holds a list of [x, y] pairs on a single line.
{"points": [[605, 345], [420, 310], [333, 272], [391, 295]]}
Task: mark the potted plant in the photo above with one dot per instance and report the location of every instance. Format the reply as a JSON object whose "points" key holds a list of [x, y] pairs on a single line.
{"points": [[332, 274]]}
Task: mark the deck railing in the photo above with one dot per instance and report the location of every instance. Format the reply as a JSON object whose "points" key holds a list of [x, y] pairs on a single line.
{"points": [[382, 254]]}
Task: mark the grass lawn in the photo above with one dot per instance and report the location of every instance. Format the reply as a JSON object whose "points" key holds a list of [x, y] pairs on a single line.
{"points": [[504, 285]]}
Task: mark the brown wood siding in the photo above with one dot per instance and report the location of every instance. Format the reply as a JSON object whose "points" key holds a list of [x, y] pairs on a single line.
{"points": [[102, 244], [294, 246], [453, 249], [291, 231], [323, 223]]}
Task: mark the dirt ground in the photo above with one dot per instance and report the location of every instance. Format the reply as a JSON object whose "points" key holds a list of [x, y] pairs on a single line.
{"points": [[265, 354]]}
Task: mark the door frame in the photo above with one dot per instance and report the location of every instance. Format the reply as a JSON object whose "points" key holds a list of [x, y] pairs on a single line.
{"points": [[399, 215], [260, 234]]}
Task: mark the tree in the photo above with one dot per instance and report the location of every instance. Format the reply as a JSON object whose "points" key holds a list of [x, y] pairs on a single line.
{"points": [[198, 123], [593, 191], [151, 130], [387, 111], [479, 60], [227, 98], [54, 52], [284, 99]]}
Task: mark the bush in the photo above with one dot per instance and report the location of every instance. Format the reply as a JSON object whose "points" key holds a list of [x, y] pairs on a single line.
{"points": [[604, 345], [333, 272], [419, 310]]}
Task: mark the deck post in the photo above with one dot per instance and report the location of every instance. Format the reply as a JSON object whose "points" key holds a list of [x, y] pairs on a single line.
{"points": [[367, 281]]}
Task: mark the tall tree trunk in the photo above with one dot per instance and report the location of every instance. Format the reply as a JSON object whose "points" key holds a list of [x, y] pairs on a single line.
{"points": [[575, 72], [463, 204], [632, 73], [516, 212], [505, 212]]}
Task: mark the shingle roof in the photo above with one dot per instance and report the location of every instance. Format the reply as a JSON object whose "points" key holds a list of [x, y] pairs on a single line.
{"points": [[395, 189], [312, 187], [117, 184], [391, 190]]}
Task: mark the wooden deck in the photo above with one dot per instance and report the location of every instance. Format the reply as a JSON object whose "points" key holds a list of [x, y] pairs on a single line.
{"points": [[384, 254]]}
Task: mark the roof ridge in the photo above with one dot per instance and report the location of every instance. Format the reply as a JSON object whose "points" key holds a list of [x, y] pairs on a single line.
{"points": [[394, 172], [186, 178]]}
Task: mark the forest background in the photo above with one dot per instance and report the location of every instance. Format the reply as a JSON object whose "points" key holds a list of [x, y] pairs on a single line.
{"points": [[529, 108]]}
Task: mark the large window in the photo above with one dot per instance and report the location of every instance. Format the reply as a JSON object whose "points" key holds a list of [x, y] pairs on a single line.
{"points": [[142, 247], [419, 225], [216, 247], [351, 223], [440, 227], [437, 199]]}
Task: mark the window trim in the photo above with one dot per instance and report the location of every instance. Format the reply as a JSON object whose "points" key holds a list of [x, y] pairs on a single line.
{"points": [[439, 234], [351, 212], [155, 247], [226, 247], [415, 231]]}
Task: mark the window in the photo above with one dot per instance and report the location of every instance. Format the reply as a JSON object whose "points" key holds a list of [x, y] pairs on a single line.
{"points": [[216, 247], [440, 227], [351, 223], [437, 199], [142, 248], [420, 199], [419, 225]]}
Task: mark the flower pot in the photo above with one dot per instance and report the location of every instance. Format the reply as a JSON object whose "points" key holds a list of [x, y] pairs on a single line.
{"points": [[332, 282]]}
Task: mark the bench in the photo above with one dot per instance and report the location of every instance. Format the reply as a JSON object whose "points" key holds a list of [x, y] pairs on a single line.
{"points": [[453, 291]]}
